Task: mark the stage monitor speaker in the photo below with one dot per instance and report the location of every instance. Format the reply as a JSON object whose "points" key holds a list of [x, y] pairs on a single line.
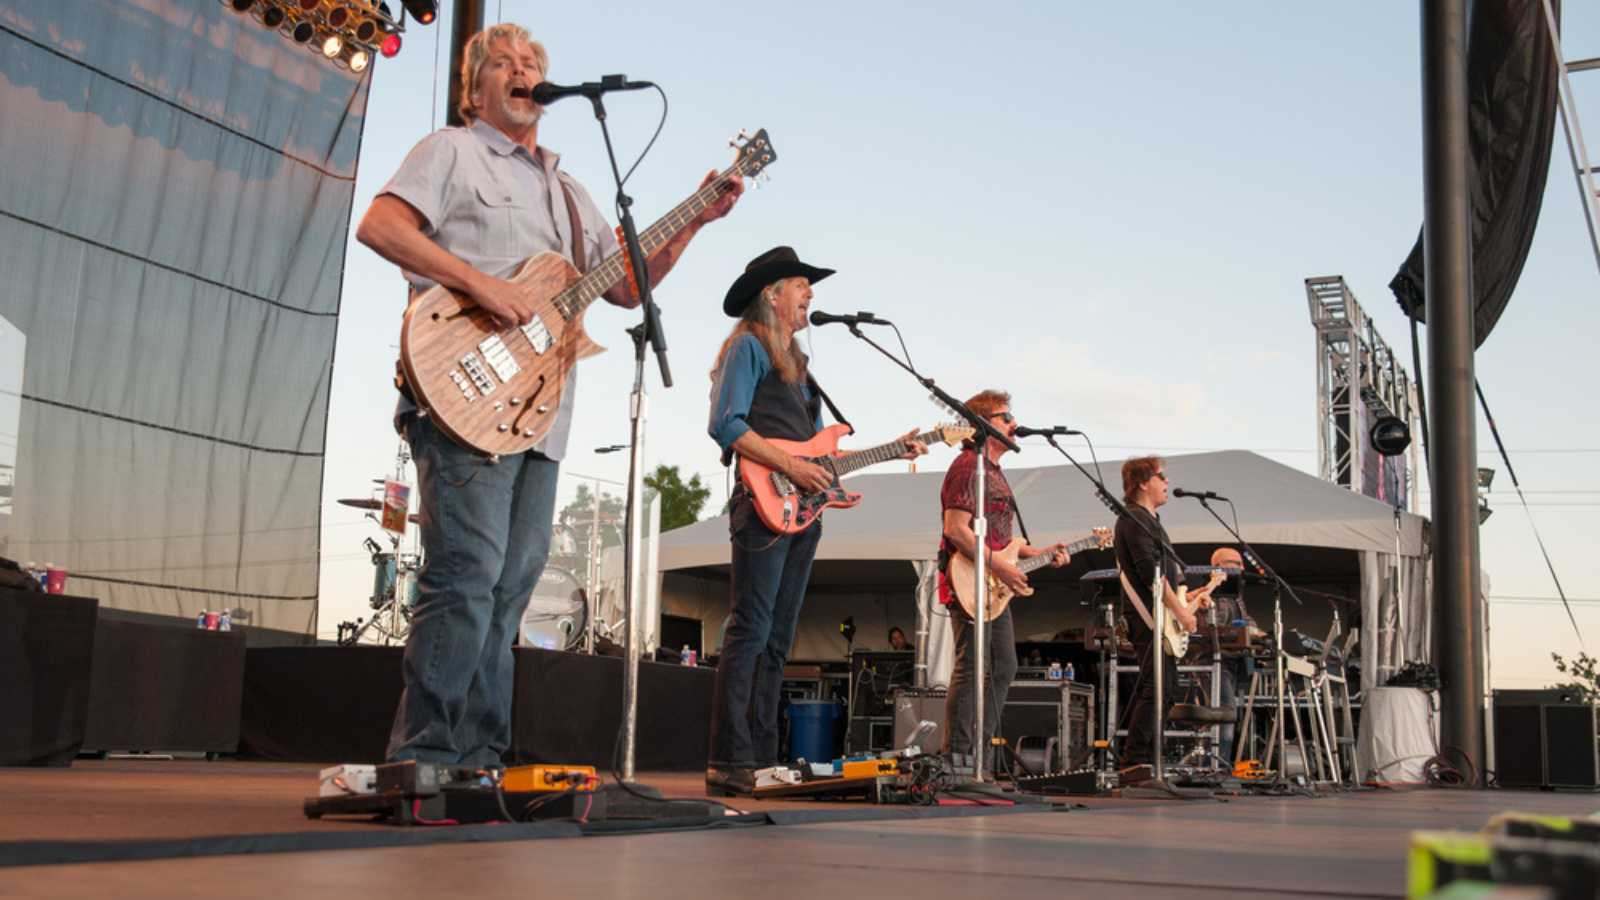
{"points": [[1546, 739]]}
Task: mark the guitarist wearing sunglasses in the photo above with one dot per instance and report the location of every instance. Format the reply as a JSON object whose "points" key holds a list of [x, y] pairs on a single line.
{"points": [[958, 502], [762, 391], [1151, 573]]}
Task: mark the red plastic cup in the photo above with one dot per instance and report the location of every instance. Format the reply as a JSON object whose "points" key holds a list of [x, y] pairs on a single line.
{"points": [[56, 580], [212, 620]]}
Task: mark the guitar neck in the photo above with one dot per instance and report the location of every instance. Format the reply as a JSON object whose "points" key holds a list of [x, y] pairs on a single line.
{"points": [[577, 297], [1043, 559], [860, 459]]}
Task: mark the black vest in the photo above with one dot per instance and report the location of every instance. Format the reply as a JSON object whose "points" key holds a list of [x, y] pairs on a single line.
{"points": [[781, 411]]}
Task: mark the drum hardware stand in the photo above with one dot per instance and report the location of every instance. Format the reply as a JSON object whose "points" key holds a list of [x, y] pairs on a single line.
{"points": [[980, 530]]}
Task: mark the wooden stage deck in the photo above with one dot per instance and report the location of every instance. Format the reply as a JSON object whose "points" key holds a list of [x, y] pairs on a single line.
{"points": [[1341, 845]]}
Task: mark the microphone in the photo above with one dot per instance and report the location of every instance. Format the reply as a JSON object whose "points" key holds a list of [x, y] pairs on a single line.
{"points": [[861, 318], [1199, 495], [544, 93], [1025, 431]]}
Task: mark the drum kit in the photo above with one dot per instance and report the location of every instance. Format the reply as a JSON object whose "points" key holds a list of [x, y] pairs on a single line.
{"points": [[557, 617]]}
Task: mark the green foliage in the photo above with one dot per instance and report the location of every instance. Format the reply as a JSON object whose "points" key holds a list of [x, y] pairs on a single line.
{"points": [[578, 517], [1582, 671], [680, 502]]}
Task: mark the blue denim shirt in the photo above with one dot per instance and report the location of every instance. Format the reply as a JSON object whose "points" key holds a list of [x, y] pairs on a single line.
{"points": [[745, 364], [491, 202]]}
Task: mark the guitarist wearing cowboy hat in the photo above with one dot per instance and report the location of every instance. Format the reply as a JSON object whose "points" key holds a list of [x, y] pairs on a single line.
{"points": [[762, 390]]}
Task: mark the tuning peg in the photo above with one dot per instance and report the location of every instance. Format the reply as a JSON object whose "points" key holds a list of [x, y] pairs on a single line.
{"points": [[740, 139]]}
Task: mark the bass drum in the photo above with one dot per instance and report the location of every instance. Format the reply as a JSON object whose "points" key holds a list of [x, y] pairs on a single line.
{"points": [[558, 612]]}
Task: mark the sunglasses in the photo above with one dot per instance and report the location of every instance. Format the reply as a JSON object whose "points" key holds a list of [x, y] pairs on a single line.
{"points": [[1160, 475], [1005, 417]]}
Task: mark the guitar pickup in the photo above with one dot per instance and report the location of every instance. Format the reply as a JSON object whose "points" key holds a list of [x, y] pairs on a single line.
{"points": [[479, 375], [538, 336], [465, 385], [498, 356], [782, 484]]}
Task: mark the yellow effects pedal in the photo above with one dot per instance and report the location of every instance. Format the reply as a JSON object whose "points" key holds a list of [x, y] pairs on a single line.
{"points": [[870, 768], [532, 779]]}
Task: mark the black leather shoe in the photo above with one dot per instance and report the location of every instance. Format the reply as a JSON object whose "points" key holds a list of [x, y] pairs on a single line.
{"points": [[730, 781]]}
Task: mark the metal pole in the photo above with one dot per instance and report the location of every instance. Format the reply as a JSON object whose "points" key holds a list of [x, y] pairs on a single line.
{"points": [[467, 18], [980, 622], [635, 575], [1447, 259], [592, 575]]}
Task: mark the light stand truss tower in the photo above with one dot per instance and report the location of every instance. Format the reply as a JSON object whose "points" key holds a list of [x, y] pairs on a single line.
{"points": [[1358, 380]]}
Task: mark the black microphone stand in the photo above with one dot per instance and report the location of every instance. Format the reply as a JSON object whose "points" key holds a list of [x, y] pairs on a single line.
{"points": [[980, 530], [1158, 612], [1279, 587], [647, 334]]}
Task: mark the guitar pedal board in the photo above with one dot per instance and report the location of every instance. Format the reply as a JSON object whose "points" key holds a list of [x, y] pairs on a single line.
{"points": [[1078, 782]]}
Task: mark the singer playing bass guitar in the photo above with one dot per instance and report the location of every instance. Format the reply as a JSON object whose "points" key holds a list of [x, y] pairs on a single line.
{"points": [[465, 208], [762, 391]]}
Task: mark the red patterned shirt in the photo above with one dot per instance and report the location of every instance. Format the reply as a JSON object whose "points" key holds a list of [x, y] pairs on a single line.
{"points": [[959, 492]]}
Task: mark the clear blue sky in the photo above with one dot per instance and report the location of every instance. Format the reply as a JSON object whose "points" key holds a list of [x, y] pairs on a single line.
{"points": [[1108, 209]]}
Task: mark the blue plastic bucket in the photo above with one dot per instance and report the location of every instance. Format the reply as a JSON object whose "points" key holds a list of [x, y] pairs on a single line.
{"points": [[814, 733]]}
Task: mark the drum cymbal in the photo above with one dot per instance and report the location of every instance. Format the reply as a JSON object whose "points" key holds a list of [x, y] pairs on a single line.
{"points": [[366, 503]]}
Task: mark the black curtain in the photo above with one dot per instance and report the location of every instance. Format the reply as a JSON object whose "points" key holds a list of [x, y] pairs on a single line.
{"points": [[1511, 83]]}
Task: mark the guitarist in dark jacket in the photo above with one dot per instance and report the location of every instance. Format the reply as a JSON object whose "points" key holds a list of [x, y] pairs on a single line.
{"points": [[763, 390], [1151, 573]]}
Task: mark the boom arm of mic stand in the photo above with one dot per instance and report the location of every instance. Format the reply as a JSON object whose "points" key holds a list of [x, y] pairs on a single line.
{"points": [[1277, 579], [653, 336], [977, 421]]}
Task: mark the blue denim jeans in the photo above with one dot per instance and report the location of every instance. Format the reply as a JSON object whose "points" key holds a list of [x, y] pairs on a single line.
{"points": [[769, 576], [486, 535]]}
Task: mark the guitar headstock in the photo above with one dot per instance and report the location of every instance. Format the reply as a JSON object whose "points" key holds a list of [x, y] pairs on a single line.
{"points": [[755, 153], [1217, 577], [953, 434]]}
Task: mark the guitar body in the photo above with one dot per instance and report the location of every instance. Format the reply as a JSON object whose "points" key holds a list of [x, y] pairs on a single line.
{"points": [[493, 391], [783, 508], [1173, 637], [963, 578]]}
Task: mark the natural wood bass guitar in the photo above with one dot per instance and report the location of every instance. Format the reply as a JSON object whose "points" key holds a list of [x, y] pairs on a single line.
{"points": [[497, 390], [786, 510], [963, 573]]}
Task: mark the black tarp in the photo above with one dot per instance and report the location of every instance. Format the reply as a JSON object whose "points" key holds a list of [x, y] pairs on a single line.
{"points": [[1511, 84]]}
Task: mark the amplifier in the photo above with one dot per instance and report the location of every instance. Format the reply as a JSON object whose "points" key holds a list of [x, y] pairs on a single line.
{"points": [[912, 706], [1063, 710], [1546, 739]]}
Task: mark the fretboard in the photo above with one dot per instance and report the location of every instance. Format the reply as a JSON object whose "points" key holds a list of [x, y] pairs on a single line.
{"points": [[860, 459], [1043, 559], [577, 297]]}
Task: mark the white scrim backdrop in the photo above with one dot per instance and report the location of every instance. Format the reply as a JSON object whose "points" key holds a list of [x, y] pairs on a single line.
{"points": [[174, 204]]}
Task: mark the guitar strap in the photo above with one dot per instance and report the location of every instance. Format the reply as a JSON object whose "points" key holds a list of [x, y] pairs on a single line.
{"points": [[1138, 604], [577, 227], [828, 401], [1016, 511]]}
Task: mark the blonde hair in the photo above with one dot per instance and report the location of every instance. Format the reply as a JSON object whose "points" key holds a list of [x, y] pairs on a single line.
{"points": [[477, 53], [761, 320]]}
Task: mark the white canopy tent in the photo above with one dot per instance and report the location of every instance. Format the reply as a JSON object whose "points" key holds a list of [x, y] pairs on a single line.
{"points": [[878, 558]]}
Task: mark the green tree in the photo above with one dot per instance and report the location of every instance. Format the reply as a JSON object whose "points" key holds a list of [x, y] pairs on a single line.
{"points": [[680, 502], [1582, 670]]}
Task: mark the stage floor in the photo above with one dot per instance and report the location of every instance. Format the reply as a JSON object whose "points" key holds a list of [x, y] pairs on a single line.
{"points": [[1332, 846]]}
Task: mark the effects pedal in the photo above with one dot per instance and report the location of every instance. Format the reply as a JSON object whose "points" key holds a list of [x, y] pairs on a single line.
{"points": [[545, 778], [1079, 782]]}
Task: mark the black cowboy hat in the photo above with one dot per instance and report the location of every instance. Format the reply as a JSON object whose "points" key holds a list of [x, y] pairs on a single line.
{"points": [[775, 264]]}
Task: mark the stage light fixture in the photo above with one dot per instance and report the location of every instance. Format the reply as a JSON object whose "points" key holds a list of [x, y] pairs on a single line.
{"points": [[271, 15], [332, 46], [303, 32], [1484, 512], [240, 6], [1485, 478], [338, 16], [424, 11], [359, 60], [1389, 436], [366, 30], [390, 45]]}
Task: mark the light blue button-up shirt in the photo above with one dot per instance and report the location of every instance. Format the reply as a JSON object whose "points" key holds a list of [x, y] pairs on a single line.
{"points": [[491, 202]]}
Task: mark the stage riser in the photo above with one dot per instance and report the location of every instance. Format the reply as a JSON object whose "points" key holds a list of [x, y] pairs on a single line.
{"points": [[336, 704]]}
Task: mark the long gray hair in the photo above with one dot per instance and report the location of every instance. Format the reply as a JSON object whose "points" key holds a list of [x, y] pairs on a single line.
{"points": [[761, 319]]}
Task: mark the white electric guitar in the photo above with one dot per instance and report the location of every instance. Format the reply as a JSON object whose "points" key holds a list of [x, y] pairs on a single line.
{"points": [[1173, 635]]}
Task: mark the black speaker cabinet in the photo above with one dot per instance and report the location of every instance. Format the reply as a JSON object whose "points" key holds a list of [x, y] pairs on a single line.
{"points": [[1546, 739], [1063, 710]]}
